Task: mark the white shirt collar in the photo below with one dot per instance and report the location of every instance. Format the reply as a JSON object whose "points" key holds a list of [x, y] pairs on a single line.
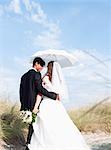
{"points": [[34, 69]]}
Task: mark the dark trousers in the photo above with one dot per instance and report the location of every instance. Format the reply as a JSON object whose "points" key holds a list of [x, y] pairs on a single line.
{"points": [[30, 132]]}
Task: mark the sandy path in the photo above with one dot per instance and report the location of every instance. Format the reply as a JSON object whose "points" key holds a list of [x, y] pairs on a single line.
{"points": [[97, 141]]}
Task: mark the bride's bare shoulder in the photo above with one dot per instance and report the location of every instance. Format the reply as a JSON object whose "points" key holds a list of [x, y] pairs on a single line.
{"points": [[45, 78]]}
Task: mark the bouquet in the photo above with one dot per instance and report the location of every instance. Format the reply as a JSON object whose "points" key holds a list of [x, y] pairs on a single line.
{"points": [[28, 116]]}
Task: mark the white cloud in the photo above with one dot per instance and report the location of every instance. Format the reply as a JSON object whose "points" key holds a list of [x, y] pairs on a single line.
{"points": [[1, 10], [90, 58], [37, 14], [47, 40], [27, 5], [86, 56], [29, 10], [89, 69], [14, 7], [32, 11]]}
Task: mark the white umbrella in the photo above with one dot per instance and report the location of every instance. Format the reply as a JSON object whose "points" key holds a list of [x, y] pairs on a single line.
{"points": [[64, 58]]}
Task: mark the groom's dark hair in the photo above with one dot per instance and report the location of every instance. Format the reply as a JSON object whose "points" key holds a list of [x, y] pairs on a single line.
{"points": [[39, 61]]}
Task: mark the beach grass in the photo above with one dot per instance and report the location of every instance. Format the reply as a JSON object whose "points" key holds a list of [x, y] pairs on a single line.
{"points": [[12, 129], [92, 119]]}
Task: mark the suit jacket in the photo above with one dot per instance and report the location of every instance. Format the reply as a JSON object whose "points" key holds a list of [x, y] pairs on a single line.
{"points": [[30, 86]]}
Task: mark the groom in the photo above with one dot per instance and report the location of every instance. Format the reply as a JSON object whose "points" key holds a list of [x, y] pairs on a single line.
{"points": [[30, 87]]}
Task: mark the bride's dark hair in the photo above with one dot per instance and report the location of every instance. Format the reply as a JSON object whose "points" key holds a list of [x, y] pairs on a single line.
{"points": [[50, 69]]}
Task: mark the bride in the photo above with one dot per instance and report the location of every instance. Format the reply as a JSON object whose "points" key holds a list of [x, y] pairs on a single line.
{"points": [[53, 128]]}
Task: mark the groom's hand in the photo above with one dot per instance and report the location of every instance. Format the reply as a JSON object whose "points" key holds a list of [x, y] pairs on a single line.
{"points": [[35, 110], [58, 98]]}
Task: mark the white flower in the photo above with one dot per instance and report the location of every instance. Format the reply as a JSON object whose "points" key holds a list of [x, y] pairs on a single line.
{"points": [[26, 116]]}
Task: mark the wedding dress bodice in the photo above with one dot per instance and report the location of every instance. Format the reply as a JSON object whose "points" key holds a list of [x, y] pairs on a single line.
{"points": [[48, 85]]}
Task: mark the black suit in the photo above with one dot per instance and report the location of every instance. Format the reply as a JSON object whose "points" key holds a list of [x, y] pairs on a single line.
{"points": [[30, 86]]}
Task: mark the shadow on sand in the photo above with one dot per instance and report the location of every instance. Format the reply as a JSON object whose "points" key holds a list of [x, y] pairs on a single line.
{"points": [[104, 146]]}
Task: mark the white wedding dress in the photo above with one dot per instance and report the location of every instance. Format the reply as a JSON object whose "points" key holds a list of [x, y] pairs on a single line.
{"points": [[53, 129]]}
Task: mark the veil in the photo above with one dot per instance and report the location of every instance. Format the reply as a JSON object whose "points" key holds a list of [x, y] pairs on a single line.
{"points": [[59, 84]]}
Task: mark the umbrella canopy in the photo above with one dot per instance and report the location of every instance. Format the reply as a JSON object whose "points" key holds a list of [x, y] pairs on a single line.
{"points": [[64, 58]]}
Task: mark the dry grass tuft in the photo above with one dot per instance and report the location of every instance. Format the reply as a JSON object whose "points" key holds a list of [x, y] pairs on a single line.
{"points": [[93, 118], [12, 129]]}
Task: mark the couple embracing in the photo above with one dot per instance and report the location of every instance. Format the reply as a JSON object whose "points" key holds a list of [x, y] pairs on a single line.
{"points": [[53, 129]]}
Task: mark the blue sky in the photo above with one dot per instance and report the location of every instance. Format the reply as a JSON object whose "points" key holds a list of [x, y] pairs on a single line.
{"points": [[80, 27]]}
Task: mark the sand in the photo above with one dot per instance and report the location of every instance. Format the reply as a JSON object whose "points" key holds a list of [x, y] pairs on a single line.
{"points": [[97, 141]]}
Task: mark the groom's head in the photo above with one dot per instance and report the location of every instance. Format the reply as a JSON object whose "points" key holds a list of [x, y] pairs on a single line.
{"points": [[38, 63]]}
